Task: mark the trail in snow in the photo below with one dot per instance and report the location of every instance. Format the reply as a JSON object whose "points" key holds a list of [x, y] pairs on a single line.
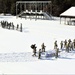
{"points": [[27, 56], [17, 57]]}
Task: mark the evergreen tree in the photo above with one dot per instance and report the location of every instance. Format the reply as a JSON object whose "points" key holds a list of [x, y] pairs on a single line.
{"points": [[59, 6]]}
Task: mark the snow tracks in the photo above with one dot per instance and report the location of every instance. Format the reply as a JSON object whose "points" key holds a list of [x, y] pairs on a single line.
{"points": [[17, 57]]}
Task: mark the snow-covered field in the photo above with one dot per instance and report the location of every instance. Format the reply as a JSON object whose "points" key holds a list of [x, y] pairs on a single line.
{"points": [[16, 54]]}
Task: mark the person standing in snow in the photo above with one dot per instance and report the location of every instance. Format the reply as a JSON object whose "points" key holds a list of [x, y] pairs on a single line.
{"points": [[61, 44], [43, 47], [9, 25], [56, 52], [12, 25], [67, 47], [74, 43], [71, 46], [65, 43], [34, 49], [17, 27], [55, 45], [69, 40], [39, 54], [21, 28]]}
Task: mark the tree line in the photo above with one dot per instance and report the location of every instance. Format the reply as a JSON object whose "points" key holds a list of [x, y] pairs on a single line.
{"points": [[58, 6]]}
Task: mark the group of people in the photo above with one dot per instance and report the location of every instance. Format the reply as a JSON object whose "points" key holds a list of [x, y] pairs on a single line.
{"points": [[33, 46], [67, 45], [7, 25]]}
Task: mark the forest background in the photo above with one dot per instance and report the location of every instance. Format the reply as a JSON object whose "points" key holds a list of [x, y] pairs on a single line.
{"points": [[58, 6]]}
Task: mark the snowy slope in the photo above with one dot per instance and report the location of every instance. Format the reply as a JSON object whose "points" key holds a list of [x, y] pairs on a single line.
{"points": [[16, 54]]}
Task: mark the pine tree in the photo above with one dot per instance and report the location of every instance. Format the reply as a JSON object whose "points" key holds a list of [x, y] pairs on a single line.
{"points": [[59, 6]]}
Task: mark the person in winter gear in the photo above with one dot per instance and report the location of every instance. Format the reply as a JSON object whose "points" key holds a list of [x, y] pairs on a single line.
{"points": [[39, 54], [61, 44], [69, 40], [74, 43], [56, 53], [21, 28], [43, 47], [71, 46], [34, 49], [65, 43], [17, 27], [55, 45], [68, 47]]}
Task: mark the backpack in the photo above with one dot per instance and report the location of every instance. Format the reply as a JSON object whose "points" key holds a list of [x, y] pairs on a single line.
{"points": [[32, 46]]}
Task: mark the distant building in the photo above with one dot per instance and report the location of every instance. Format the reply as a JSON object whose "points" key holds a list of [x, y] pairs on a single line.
{"points": [[69, 16], [34, 9]]}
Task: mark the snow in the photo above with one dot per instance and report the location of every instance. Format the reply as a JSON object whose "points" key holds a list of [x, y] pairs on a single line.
{"points": [[16, 54]]}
